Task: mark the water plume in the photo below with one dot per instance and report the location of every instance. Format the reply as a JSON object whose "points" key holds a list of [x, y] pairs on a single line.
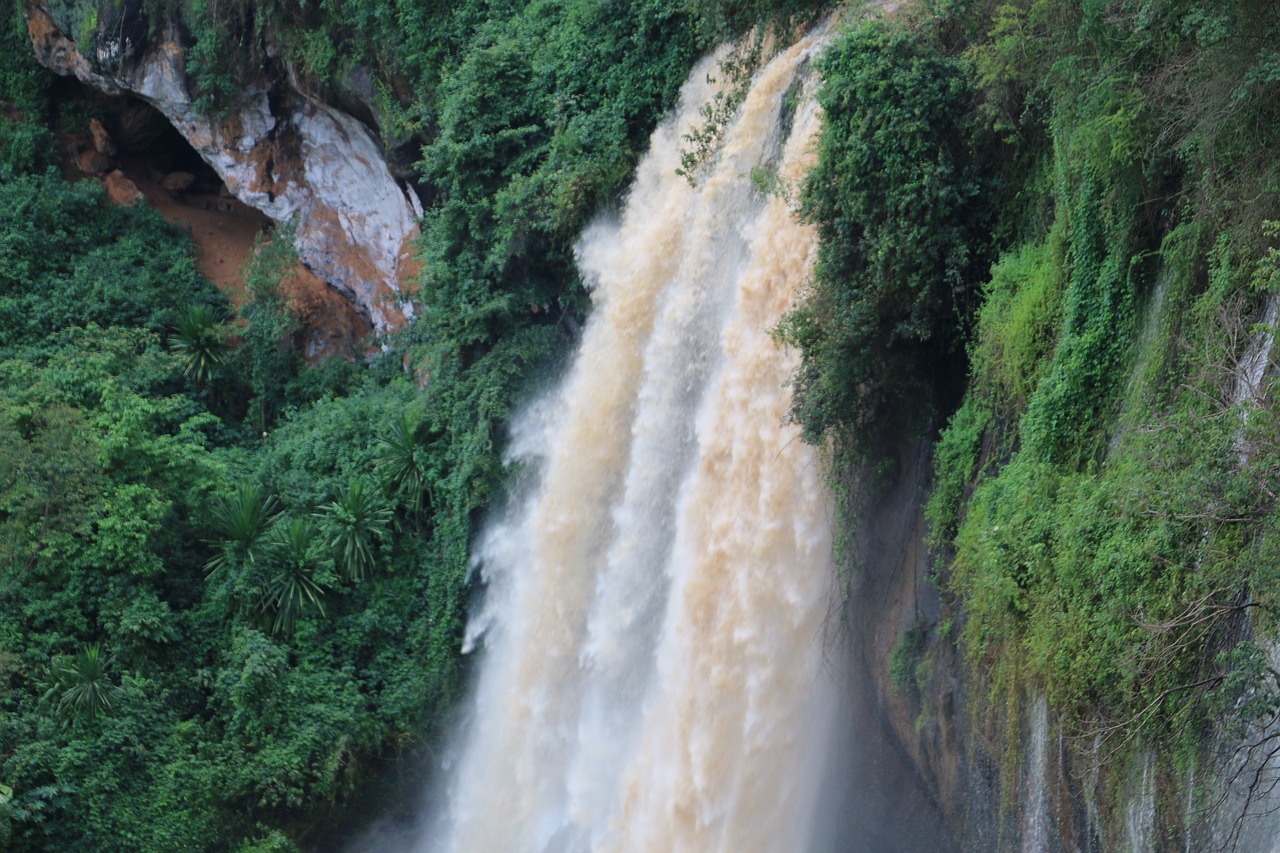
{"points": [[652, 673]]}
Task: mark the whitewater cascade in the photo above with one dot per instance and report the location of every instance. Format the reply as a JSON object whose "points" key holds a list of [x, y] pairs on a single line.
{"points": [[653, 674]]}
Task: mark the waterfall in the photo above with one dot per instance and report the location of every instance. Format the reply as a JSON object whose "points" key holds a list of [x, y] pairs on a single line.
{"points": [[652, 667], [1246, 816], [1035, 814], [1140, 805]]}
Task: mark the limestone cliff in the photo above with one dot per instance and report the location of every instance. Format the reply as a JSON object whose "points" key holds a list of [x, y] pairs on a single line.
{"points": [[277, 148]]}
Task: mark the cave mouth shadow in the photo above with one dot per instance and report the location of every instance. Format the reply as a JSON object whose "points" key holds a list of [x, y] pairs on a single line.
{"points": [[144, 156], [140, 141]]}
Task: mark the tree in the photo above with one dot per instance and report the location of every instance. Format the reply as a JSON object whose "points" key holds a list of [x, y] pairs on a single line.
{"points": [[897, 198], [240, 519], [269, 324], [299, 575], [200, 342], [80, 685], [356, 517], [402, 460]]}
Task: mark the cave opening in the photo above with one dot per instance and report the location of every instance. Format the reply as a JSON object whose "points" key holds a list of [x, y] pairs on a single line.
{"points": [[104, 133], [137, 154], [144, 134]]}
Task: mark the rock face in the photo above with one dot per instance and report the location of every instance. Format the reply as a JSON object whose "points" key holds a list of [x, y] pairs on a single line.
{"points": [[277, 149], [92, 162], [120, 189], [176, 182], [101, 140]]}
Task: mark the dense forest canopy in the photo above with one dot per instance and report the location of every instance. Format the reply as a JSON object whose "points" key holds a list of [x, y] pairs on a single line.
{"points": [[233, 585]]}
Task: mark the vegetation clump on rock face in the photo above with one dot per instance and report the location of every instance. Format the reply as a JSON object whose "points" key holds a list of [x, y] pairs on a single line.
{"points": [[900, 202], [1104, 491]]}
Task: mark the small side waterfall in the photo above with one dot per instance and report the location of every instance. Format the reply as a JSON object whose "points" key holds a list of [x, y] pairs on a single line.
{"points": [[1035, 830], [1247, 816], [653, 671], [1140, 806]]}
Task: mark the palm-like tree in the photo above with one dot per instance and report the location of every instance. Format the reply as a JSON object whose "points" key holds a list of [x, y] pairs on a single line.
{"points": [[356, 518], [200, 341], [299, 566], [403, 461], [80, 683], [239, 519]]}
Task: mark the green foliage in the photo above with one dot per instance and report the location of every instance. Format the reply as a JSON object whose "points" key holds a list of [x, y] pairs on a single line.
{"points": [[80, 684], [297, 574], [220, 31], [358, 519], [721, 20], [107, 465], [735, 70], [1065, 419], [272, 841], [1065, 576], [262, 695], [316, 449], [239, 520], [25, 143], [267, 355], [200, 342], [22, 85], [131, 273], [896, 197], [1016, 333], [906, 657], [767, 182], [1019, 323], [404, 460], [1104, 490], [955, 460], [538, 125]]}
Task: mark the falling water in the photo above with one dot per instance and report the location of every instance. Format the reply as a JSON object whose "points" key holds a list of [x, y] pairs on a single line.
{"points": [[1140, 805], [1248, 817], [653, 674], [1035, 831]]}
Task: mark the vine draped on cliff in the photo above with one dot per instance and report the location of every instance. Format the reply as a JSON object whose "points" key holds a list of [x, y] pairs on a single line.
{"points": [[1106, 489]]}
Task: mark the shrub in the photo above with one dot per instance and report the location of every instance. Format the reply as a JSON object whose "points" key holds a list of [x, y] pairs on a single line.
{"points": [[897, 200]]}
